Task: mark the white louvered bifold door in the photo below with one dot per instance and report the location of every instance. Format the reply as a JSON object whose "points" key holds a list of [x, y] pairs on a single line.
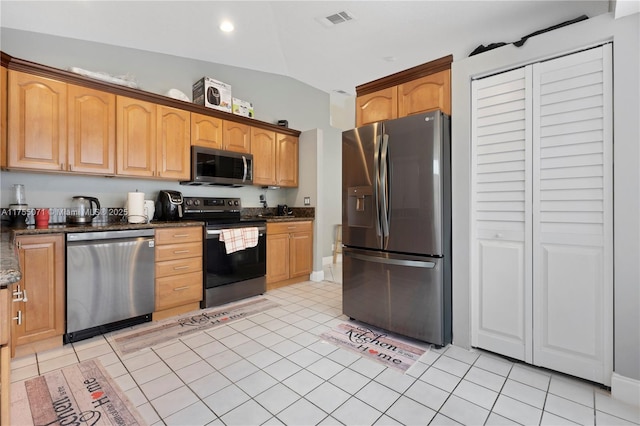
{"points": [[501, 214], [572, 214]]}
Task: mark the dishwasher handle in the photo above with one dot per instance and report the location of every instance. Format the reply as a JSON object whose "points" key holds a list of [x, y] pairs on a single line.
{"points": [[110, 235]]}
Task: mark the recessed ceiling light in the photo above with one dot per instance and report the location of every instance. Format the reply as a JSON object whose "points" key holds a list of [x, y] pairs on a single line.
{"points": [[226, 26]]}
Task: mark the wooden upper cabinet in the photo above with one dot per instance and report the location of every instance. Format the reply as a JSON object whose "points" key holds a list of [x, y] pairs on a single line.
{"points": [[425, 94], [91, 125], [377, 106], [423, 88], [206, 131], [287, 160], [236, 137], [173, 143], [263, 148], [37, 122], [3, 117], [136, 137]]}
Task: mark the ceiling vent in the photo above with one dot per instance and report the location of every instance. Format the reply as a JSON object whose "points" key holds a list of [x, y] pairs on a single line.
{"points": [[336, 18]]}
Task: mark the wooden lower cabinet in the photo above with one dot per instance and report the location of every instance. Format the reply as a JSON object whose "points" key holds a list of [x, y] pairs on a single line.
{"points": [[179, 279], [5, 356], [289, 252], [40, 313]]}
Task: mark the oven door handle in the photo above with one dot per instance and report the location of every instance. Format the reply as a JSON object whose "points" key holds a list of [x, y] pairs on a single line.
{"points": [[214, 233]]}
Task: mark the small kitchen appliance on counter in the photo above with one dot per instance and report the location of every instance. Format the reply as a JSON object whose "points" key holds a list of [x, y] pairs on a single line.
{"points": [[18, 209], [168, 206], [81, 212]]}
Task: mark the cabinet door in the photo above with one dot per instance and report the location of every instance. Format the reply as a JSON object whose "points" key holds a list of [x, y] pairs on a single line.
{"points": [[263, 149], [136, 137], [501, 214], [287, 160], [277, 257], [425, 94], [300, 254], [206, 131], [236, 137], [377, 106], [3, 117], [573, 214], [92, 130], [42, 265], [173, 143], [37, 122]]}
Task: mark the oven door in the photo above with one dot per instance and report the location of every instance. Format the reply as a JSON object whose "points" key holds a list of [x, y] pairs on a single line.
{"points": [[223, 268]]}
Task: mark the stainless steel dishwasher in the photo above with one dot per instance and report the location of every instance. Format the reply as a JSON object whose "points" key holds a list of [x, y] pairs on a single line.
{"points": [[110, 281]]}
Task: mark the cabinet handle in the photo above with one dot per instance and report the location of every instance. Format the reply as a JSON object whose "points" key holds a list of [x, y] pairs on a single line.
{"points": [[180, 251], [180, 235], [19, 318], [177, 268], [18, 295], [181, 288], [498, 235], [24, 296], [61, 166]]}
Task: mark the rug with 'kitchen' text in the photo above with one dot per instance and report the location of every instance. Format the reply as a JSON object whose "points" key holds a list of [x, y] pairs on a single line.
{"points": [[148, 335], [83, 393], [379, 345]]}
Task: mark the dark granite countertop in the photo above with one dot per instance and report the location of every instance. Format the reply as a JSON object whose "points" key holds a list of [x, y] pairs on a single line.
{"points": [[270, 214], [10, 265]]}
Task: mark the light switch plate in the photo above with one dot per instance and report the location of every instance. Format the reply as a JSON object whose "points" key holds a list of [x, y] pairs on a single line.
{"points": [[307, 201]]}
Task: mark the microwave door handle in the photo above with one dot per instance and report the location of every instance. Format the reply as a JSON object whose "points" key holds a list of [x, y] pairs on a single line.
{"points": [[244, 163]]}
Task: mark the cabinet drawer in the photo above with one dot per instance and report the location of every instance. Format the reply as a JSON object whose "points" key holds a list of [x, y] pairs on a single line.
{"points": [[178, 267], [178, 290], [178, 251], [178, 235], [289, 227]]}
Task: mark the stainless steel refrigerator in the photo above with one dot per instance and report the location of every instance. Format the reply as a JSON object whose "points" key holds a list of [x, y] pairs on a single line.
{"points": [[396, 226]]}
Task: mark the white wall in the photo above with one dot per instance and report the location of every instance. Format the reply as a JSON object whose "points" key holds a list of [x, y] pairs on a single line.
{"points": [[624, 33]]}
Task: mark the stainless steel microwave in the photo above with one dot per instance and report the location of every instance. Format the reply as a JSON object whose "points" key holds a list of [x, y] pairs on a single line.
{"points": [[217, 167]]}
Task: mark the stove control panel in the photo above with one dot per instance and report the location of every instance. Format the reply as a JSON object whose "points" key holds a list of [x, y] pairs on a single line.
{"points": [[211, 204]]}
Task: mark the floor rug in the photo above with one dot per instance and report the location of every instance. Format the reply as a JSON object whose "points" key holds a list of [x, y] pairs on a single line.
{"points": [[173, 328], [83, 393], [389, 349]]}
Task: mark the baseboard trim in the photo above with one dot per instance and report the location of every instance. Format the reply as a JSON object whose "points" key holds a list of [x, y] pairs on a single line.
{"points": [[317, 276], [625, 389]]}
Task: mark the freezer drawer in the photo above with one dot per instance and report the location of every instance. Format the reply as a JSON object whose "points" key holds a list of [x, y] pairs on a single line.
{"points": [[409, 295]]}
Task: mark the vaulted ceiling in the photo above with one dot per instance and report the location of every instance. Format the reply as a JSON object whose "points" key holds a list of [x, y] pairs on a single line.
{"points": [[293, 38]]}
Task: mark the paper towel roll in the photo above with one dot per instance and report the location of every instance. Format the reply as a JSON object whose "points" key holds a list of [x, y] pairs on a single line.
{"points": [[135, 207]]}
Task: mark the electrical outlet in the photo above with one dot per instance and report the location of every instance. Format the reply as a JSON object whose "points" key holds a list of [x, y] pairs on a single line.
{"points": [[307, 201]]}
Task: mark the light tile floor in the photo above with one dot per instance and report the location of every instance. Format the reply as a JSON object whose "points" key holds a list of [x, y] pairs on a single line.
{"points": [[273, 369]]}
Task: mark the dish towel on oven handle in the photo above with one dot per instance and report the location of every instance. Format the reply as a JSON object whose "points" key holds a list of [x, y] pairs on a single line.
{"points": [[236, 239]]}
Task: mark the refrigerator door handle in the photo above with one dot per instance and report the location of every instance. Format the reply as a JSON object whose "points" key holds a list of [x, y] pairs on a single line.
{"points": [[376, 186], [384, 189], [391, 261]]}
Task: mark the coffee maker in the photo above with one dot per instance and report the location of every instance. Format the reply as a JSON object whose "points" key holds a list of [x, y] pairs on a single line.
{"points": [[168, 206]]}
